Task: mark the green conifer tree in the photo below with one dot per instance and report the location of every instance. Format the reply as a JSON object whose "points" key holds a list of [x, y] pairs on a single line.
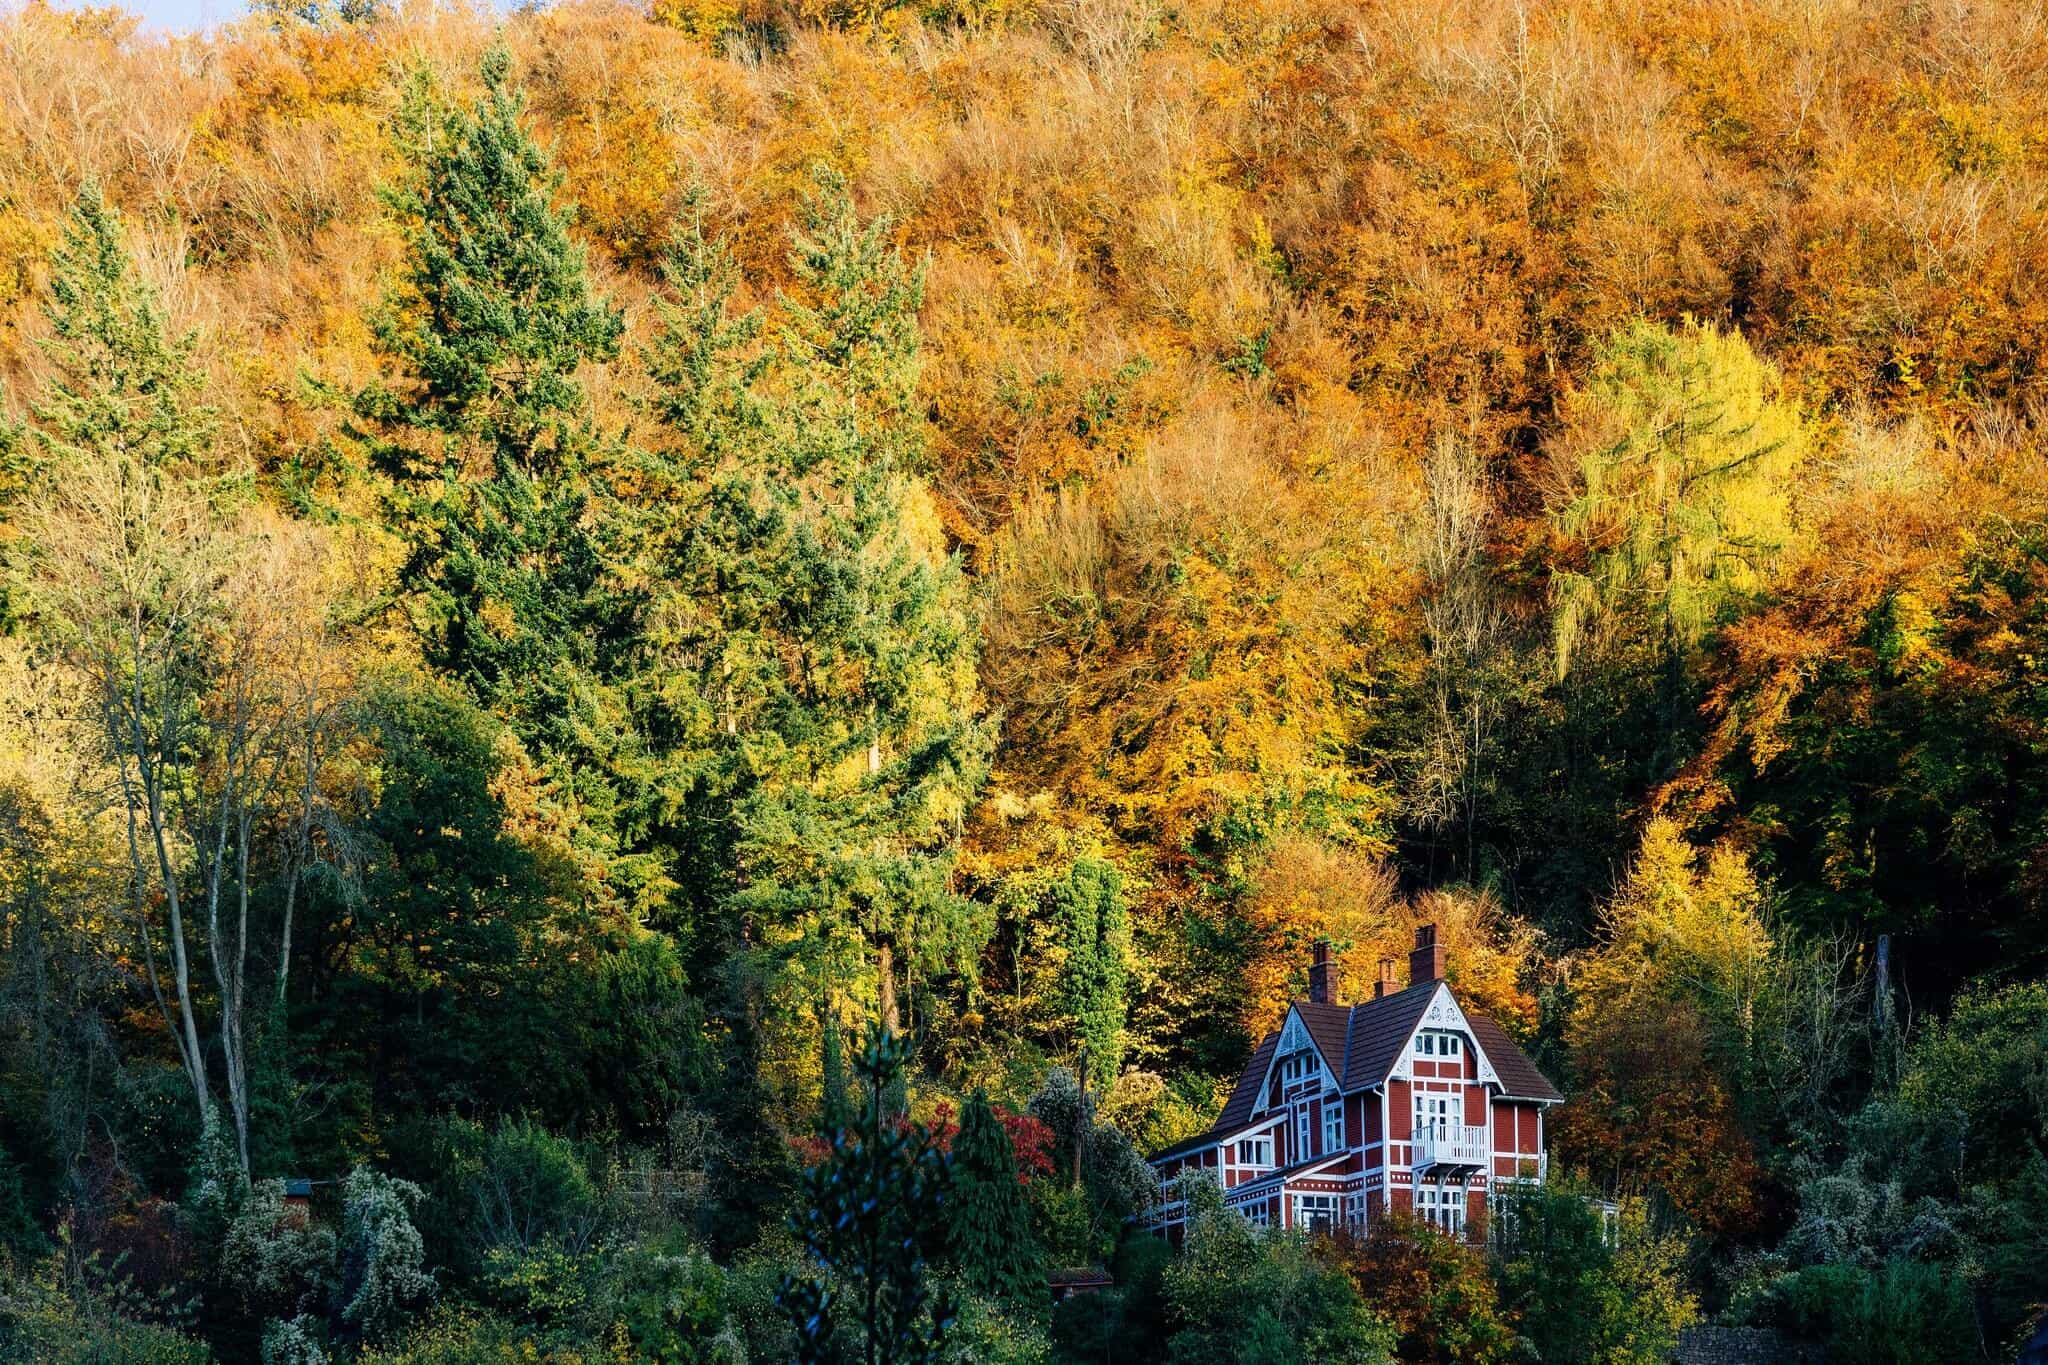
{"points": [[122, 385], [822, 629], [870, 1208], [496, 471], [988, 1220], [877, 748]]}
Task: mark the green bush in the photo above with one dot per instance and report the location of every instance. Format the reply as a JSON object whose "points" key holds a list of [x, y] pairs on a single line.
{"points": [[1236, 1288], [1904, 1313]]}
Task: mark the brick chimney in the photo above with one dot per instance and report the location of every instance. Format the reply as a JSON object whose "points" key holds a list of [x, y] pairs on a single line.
{"points": [[1385, 986], [1322, 975], [1426, 963]]}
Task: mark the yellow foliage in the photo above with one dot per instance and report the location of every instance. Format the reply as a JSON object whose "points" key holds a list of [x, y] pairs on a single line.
{"points": [[1307, 890], [1681, 927]]}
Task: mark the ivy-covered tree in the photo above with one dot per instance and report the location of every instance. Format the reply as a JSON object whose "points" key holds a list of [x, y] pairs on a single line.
{"points": [[988, 1219], [870, 1207], [1088, 907], [384, 1278]]}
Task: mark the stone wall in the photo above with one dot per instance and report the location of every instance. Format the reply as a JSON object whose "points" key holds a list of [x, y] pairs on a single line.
{"points": [[1741, 1346]]}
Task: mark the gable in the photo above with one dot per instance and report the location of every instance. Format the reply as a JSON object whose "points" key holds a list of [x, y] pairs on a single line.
{"points": [[1441, 1012], [1296, 1036]]}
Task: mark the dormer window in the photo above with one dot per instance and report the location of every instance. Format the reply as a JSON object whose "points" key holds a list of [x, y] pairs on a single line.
{"points": [[1437, 1043]]}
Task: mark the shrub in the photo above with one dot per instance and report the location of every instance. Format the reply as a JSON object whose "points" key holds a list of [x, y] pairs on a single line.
{"points": [[383, 1277]]}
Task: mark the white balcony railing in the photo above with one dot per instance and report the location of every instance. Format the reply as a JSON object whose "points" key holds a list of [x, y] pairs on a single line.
{"points": [[1449, 1144]]}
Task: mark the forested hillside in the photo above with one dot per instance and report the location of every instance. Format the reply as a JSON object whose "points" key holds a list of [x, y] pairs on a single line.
{"points": [[568, 578]]}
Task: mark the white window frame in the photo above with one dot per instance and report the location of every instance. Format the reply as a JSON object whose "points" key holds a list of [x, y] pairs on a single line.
{"points": [[1434, 1106], [1439, 1043], [1442, 1207], [1303, 1132], [1308, 1207], [1333, 1123]]}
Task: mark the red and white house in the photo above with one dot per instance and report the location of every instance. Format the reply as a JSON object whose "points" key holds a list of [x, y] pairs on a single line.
{"points": [[1407, 1100]]}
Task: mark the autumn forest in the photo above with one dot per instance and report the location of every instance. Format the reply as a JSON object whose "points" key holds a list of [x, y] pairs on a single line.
{"points": [[673, 679]]}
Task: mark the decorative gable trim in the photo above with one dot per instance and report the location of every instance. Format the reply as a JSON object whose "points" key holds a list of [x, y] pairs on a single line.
{"points": [[1443, 1013], [1294, 1037]]}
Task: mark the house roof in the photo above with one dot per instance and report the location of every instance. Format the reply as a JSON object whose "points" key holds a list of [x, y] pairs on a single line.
{"points": [[1518, 1075], [1378, 1030], [1361, 1043]]}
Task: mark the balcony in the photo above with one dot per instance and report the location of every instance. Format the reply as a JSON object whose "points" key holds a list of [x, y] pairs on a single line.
{"points": [[1450, 1146]]}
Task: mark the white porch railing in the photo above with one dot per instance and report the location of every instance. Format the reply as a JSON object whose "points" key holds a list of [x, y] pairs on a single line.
{"points": [[1449, 1144]]}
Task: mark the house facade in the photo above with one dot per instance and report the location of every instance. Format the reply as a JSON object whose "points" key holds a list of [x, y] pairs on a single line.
{"points": [[1407, 1100]]}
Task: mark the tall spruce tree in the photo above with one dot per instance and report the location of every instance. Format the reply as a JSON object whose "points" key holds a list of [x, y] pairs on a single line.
{"points": [[122, 385], [845, 851], [988, 1222], [870, 1208], [822, 629], [496, 470]]}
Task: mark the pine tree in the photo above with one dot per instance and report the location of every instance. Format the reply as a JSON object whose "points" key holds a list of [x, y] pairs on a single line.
{"points": [[877, 748], [122, 385], [823, 631], [988, 1221], [871, 1206], [496, 472]]}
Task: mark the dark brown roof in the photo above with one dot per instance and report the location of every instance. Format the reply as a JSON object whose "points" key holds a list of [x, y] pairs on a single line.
{"points": [[1361, 1043], [1378, 1029], [1518, 1075], [1330, 1027]]}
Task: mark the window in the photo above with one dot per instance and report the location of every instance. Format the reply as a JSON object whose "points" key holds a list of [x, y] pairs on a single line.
{"points": [[1255, 1151], [1432, 1111], [1258, 1215], [1442, 1207], [1333, 1123], [1354, 1210], [1316, 1212], [1435, 1044], [1302, 1132]]}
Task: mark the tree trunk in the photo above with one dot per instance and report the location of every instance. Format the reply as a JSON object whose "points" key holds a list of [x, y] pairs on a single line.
{"points": [[886, 966]]}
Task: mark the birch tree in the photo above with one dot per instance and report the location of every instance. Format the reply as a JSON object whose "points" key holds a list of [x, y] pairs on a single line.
{"points": [[195, 628]]}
